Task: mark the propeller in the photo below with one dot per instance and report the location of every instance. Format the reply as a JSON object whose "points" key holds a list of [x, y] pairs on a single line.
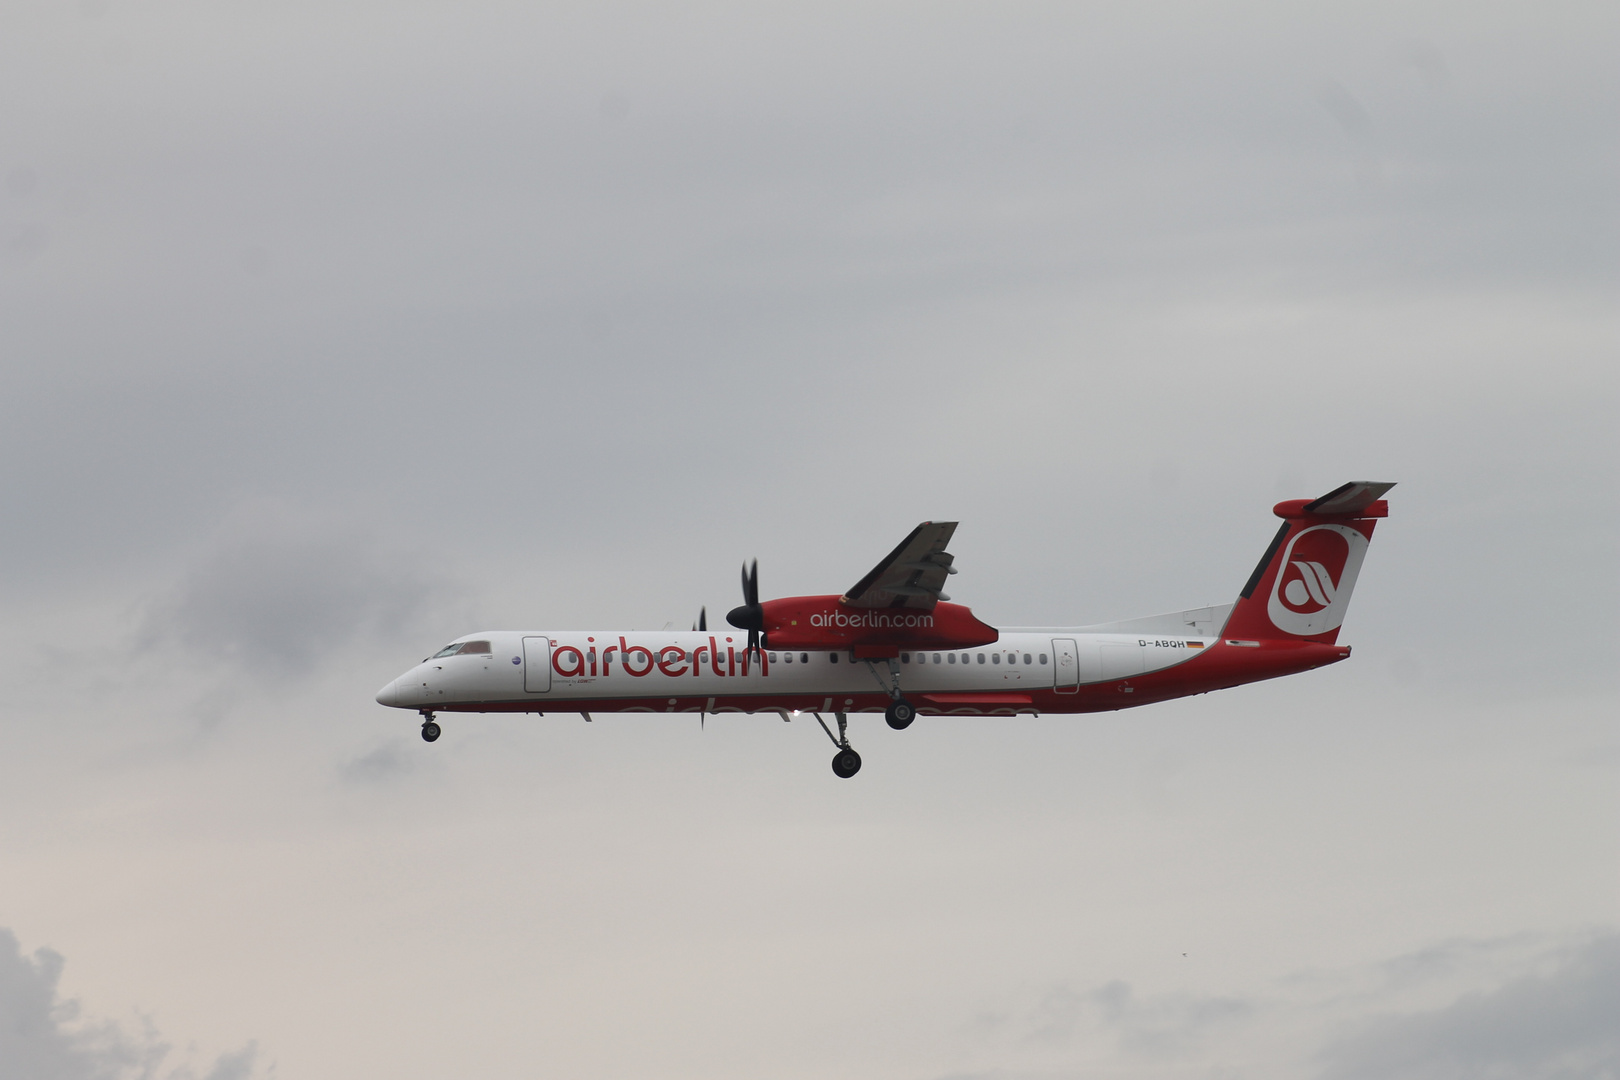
{"points": [[750, 616]]}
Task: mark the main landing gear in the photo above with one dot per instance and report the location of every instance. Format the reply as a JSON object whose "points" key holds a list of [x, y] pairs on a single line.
{"points": [[430, 729], [900, 712], [846, 763]]}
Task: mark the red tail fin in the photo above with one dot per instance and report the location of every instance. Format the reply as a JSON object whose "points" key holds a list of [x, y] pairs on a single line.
{"points": [[1302, 587]]}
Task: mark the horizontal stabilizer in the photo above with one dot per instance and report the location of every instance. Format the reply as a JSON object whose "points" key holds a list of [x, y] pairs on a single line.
{"points": [[1352, 498]]}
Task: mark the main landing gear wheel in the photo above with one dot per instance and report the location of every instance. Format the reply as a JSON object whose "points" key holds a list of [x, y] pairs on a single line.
{"points": [[900, 714], [846, 763], [430, 731]]}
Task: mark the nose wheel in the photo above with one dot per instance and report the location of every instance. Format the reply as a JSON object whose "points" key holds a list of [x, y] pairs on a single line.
{"points": [[430, 728]]}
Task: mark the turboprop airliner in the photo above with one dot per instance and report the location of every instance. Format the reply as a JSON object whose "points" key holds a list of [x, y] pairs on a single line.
{"points": [[895, 643]]}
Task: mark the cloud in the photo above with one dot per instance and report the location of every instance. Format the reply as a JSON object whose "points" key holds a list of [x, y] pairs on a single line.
{"points": [[1342, 105], [383, 763], [1154, 1024], [43, 1037], [1548, 1026], [276, 589], [1526, 1007]]}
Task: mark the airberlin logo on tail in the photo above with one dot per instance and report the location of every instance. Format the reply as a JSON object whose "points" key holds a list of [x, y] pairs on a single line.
{"points": [[1314, 585], [1316, 574]]}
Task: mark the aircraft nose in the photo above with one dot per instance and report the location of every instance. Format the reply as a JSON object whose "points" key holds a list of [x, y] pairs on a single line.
{"points": [[389, 695]]}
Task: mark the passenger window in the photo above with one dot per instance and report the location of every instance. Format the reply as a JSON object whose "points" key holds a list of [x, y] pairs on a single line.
{"points": [[953, 658], [773, 658], [936, 658], [1028, 659], [905, 658], [1043, 658], [787, 658], [833, 657], [995, 658], [981, 658], [804, 658]]}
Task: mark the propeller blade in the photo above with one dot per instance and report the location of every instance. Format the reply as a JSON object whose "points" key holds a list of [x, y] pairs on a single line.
{"points": [[749, 615], [703, 617]]}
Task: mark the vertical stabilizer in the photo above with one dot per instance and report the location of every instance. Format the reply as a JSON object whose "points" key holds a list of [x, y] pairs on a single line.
{"points": [[1301, 589]]}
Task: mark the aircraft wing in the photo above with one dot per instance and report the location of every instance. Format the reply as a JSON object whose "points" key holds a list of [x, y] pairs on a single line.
{"points": [[913, 574]]}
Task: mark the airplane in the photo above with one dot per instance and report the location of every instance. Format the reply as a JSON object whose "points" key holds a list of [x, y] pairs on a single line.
{"points": [[895, 643]]}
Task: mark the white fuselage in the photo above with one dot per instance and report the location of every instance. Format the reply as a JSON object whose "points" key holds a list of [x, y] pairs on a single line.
{"points": [[658, 671]]}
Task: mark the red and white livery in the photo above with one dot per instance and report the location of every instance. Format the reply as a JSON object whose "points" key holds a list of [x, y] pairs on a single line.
{"points": [[894, 643]]}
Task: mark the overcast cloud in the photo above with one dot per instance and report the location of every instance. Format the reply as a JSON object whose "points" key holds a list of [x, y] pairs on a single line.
{"points": [[1553, 1023], [275, 593], [44, 1037], [330, 333]]}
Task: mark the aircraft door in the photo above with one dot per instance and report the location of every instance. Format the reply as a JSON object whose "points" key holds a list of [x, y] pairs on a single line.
{"points": [[1067, 656], [536, 664]]}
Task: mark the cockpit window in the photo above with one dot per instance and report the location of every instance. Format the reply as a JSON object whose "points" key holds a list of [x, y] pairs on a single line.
{"points": [[463, 647]]}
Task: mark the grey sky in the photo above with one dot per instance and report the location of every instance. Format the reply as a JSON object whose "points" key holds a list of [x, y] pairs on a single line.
{"points": [[330, 334]]}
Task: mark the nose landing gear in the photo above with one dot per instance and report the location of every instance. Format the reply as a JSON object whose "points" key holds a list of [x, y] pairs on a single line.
{"points": [[430, 728]]}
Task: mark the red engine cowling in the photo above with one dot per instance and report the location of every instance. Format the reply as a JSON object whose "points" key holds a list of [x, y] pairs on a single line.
{"points": [[824, 622]]}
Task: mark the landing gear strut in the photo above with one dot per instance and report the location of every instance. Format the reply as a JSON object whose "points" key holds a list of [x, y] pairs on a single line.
{"points": [[846, 763], [430, 728]]}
